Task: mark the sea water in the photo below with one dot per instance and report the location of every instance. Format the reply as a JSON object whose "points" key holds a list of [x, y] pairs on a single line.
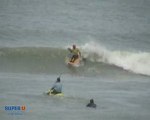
{"points": [[114, 39]]}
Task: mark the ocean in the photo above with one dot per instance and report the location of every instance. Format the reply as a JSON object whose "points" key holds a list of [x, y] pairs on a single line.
{"points": [[113, 37]]}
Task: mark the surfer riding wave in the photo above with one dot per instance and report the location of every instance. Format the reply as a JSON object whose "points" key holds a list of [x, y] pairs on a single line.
{"points": [[75, 53]]}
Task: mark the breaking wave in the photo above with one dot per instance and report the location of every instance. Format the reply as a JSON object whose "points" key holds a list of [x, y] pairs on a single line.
{"points": [[51, 60], [138, 62]]}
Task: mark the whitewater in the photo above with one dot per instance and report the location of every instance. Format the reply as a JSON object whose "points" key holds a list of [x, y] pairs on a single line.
{"points": [[137, 62]]}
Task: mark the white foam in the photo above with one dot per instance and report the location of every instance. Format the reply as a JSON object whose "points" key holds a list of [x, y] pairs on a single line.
{"points": [[137, 62]]}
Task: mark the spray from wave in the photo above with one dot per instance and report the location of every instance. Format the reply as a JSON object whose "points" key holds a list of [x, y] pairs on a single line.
{"points": [[136, 62]]}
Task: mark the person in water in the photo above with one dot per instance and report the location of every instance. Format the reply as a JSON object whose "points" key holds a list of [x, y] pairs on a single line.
{"points": [[91, 104], [75, 53], [57, 87]]}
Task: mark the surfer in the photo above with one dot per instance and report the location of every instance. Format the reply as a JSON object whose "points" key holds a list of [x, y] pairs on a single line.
{"points": [[75, 53], [57, 87], [91, 104]]}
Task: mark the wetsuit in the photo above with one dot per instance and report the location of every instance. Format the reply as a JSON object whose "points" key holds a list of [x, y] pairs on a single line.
{"points": [[75, 54], [92, 105], [57, 88]]}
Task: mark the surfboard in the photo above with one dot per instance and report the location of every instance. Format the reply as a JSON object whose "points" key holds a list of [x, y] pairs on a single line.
{"points": [[59, 94], [75, 63], [50, 94]]}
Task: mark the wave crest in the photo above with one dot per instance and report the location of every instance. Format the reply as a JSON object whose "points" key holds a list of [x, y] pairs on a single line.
{"points": [[32, 59], [138, 62]]}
